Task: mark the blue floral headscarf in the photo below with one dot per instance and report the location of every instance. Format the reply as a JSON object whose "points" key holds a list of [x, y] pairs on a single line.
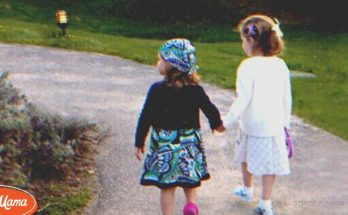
{"points": [[180, 53]]}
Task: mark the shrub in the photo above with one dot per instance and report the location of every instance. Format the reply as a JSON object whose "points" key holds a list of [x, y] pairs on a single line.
{"points": [[39, 145]]}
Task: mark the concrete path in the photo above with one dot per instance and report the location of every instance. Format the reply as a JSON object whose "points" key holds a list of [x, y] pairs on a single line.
{"points": [[111, 90]]}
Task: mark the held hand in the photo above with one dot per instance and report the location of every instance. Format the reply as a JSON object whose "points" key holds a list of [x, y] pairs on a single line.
{"points": [[221, 128]]}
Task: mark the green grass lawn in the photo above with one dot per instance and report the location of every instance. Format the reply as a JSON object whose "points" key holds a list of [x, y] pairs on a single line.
{"points": [[322, 101]]}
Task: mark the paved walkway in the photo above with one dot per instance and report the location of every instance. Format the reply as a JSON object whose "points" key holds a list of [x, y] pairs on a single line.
{"points": [[111, 90]]}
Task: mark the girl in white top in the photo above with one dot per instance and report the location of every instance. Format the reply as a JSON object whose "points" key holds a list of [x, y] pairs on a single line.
{"points": [[263, 108]]}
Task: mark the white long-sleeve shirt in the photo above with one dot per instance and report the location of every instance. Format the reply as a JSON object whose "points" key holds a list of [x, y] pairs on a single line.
{"points": [[263, 102]]}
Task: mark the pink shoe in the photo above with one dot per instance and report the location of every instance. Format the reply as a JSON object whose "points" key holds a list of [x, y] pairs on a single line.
{"points": [[190, 209]]}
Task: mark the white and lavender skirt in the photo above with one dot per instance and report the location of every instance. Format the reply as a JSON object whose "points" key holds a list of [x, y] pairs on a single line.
{"points": [[263, 155]]}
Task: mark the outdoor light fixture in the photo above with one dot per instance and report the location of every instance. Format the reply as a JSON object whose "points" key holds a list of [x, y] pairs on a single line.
{"points": [[62, 20]]}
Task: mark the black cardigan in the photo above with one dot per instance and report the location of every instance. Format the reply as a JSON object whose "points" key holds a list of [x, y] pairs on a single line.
{"points": [[173, 108]]}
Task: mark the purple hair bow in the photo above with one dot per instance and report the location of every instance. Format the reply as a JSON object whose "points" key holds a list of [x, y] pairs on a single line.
{"points": [[252, 30]]}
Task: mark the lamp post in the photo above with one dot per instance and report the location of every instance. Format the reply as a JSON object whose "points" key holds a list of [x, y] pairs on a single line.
{"points": [[62, 20]]}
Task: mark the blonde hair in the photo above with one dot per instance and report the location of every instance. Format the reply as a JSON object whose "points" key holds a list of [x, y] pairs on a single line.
{"points": [[264, 31], [176, 78]]}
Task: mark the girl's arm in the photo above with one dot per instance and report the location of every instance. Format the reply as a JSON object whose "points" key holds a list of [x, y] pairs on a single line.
{"points": [[144, 122], [287, 100], [244, 85], [210, 111]]}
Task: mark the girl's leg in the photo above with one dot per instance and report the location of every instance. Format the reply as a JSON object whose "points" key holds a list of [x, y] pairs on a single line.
{"points": [[267, 186], [247, 176], [168, 201], [245, 193], [190, 194], [190, 207], [265, 204]]}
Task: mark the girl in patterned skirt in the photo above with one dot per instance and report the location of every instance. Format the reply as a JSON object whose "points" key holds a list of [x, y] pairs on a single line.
{"points": [[175, 156], [263, 105]]}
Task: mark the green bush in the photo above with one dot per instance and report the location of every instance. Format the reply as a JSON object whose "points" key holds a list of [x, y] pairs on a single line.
{"points": [[38, 145]]}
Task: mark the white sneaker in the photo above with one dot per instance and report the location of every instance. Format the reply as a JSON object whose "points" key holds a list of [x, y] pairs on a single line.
{"points": [[243, 194], [263, 210]]}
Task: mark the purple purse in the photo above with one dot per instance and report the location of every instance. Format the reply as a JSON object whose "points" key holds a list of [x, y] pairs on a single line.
{"points": [[289, 144]]}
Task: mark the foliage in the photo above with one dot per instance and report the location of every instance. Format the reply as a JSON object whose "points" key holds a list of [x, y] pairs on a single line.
{"points": [[64, 198], [316, 15], [39, 146]]}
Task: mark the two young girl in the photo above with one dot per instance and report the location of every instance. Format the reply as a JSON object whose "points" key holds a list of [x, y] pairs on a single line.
{"points": [[175, 156]]}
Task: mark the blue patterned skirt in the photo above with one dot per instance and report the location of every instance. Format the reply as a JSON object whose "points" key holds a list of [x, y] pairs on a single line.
{"points": [[175, 158]]}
